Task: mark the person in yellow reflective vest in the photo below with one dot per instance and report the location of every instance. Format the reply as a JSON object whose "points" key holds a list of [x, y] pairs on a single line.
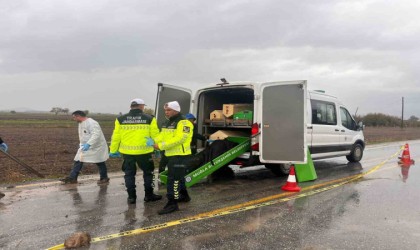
{"points": [[175, 139], [129, 138]]}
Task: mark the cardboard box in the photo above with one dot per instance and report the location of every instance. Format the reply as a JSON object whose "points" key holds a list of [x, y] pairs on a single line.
{"points": [[222, 134], [217, 114], [230, 109]]}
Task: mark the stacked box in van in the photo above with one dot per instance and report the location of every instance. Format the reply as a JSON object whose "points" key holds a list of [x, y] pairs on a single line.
{"points": [[242, 118]]}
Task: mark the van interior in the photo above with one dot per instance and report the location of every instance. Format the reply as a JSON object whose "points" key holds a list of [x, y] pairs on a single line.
{"points": [[213, 99]]}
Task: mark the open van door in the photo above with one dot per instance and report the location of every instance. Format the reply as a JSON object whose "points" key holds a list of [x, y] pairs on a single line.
{"points": [[167, 93], [283, 122]]}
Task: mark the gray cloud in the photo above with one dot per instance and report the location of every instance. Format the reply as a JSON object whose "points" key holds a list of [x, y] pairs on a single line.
{"points": [[362, 51]]}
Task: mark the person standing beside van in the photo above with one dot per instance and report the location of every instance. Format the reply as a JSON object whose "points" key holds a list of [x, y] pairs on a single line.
{"points": [[175, 139], [196, 136], [129, 138]]}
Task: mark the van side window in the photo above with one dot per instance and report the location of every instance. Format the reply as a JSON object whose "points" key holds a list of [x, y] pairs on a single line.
{"points": [[323, 113], [346, 119]]}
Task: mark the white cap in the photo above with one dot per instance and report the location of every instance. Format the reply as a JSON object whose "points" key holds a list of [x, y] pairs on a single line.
{"points": [[173, 105], [137, 101]]}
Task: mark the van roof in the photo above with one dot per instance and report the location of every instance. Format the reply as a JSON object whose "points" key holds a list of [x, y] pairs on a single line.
{"points": [[320, 94], [323, 94], [254, 85], [324, 97]]}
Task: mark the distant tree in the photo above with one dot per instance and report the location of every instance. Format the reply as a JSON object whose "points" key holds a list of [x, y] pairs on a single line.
{"points": [[149, 111], [12, 112], [413, 118], [86, 112], [413, 121], [56, 110], [381, 120], [65, 111]]}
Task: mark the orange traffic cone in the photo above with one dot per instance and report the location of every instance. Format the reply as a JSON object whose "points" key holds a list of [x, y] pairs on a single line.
{"points": [[291, 184], [405, 157]]}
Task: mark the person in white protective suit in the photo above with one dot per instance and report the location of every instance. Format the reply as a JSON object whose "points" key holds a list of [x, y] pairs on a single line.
{"points": [[93, 148]]}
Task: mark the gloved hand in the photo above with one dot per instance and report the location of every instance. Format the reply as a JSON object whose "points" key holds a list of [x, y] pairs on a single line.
{"points": [[115, 155], [85, 147], [4, 147], [150, 142]]}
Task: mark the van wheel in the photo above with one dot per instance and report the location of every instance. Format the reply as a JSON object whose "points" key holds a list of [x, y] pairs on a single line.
{"points": [[279, 169], [356, 153]]}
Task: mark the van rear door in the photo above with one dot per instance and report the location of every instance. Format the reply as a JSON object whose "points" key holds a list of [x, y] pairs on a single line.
{"points": [[167, 93], [283, 122]]}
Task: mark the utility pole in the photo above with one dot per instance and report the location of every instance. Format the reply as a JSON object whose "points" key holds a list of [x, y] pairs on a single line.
{"points": [[402, 113]]}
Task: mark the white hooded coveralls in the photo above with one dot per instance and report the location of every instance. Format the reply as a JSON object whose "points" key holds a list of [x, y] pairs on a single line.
{"points": [[91, 133]]}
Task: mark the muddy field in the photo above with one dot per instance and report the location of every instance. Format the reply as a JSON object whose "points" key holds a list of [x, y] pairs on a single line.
{"points": [[48, 144]]}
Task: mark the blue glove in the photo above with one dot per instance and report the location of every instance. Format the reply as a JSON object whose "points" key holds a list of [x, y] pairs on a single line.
{"points": [[85, 147], [115, 155], [4, 147], [150, 142]]}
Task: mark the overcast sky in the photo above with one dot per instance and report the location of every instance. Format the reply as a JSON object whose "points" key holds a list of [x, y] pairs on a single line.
{"points": [[97, 55]]}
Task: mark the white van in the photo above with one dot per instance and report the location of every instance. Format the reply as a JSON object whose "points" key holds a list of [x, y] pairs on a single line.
{"points": [[287, 119]]}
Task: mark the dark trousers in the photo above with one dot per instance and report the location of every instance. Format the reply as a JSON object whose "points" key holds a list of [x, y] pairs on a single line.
{"points": [[78, 166], [163, 162], [193, 149], [176, 172], [145, 163]]}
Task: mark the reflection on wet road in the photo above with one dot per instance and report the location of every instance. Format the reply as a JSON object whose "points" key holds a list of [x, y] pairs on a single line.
{"points": [[379, 210]]}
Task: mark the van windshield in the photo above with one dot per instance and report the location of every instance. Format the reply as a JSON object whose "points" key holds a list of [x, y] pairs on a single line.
{"points": [[347, 120]]}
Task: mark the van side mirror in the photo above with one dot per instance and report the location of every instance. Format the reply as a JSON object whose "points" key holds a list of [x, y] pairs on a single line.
{"points": [[360, 126]]}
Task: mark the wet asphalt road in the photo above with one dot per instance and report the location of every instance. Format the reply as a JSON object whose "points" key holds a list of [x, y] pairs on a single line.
{"points": [[380, 210]]}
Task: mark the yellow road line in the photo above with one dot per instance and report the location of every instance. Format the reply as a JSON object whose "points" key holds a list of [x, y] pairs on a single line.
{"points": [[267, 201], [43, 184]]}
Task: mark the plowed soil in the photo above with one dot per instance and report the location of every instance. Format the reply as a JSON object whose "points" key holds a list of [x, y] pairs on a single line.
{"points": [[48, 143]]}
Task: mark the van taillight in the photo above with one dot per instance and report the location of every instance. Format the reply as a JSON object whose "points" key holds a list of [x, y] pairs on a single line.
{"points": [[254, 131]]}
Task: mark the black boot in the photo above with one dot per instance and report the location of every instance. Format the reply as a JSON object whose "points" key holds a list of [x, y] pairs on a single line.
{"points": [[132, 197], [183, 196], [170, 207], [152, 197], [68, 180]]}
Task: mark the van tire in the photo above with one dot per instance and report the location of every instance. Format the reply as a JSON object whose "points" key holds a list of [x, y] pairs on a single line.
{"points": [[279, 169], [356, 153]]}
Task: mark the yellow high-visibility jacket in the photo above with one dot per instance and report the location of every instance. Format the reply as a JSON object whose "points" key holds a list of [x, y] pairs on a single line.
{"points": [[131, 132], [175, 137]]}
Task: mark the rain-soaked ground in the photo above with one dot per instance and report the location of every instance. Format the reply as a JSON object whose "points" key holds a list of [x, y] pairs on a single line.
{"points": [[377, 210]]}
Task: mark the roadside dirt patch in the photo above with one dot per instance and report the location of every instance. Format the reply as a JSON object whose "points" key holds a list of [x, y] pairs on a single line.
{"points": [[389, 134]]}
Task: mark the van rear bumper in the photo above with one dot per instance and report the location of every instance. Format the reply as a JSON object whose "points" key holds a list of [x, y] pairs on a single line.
{"points": [[247, 160]]}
